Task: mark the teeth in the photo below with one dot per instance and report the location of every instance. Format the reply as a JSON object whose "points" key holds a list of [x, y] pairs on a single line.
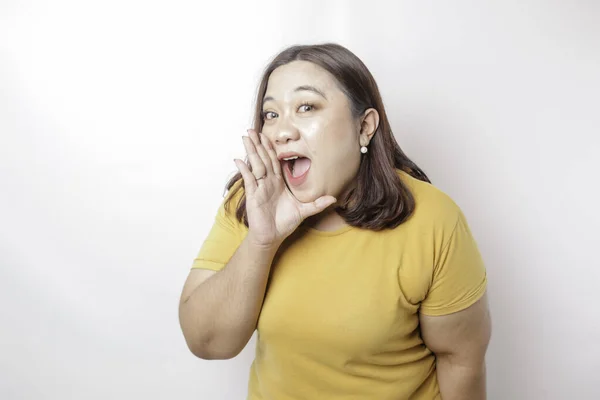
{"points": [[290, 158]]}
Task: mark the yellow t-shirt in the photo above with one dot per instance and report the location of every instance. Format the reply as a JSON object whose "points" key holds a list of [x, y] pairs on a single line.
{"points": [[340, 318]]}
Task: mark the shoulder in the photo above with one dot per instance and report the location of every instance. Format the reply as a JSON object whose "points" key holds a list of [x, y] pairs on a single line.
{"points": [[227, 211], [445, 266], [234, 195], [433, 207]]}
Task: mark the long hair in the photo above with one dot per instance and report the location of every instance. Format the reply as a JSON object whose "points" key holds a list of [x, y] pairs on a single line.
{"points": [[379, 199]]}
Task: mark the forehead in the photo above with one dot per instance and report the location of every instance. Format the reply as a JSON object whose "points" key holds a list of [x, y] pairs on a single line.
{"points": [[300, 73]]}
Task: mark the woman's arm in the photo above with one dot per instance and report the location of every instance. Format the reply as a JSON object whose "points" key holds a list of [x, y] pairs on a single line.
{"points": [[459, 342], [218, 310]]}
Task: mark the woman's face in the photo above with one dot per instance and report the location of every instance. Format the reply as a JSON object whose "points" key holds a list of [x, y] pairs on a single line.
{"points": [[307, 115]]}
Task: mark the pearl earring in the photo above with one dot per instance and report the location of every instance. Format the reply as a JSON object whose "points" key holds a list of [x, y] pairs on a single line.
{"points": [[364, 149]]}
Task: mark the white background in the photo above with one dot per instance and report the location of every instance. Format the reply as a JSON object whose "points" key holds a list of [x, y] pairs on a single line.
{"points": [[119, 121]]}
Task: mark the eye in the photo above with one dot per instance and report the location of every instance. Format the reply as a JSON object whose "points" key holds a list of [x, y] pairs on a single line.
{"points": [[268, 115], [306, 107]]}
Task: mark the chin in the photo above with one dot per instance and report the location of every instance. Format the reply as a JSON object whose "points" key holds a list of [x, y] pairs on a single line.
{"points": [[304, 195]]}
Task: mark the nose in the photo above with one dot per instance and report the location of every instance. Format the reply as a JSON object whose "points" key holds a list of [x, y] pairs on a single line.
{"points": [[285, 131]]}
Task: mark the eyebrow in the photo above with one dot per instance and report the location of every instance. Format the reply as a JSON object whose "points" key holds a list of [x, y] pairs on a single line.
{"points": [[302, 88]]}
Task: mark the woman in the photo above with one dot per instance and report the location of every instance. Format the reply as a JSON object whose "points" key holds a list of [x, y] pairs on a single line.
{"points": [[362, 279]]}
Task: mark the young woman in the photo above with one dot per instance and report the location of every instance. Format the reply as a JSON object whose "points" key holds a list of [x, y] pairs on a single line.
{"points": [[362, 279]]}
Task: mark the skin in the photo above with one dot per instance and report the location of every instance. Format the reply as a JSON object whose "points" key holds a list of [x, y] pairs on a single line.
{"points": [[460, 341], [218, 310], [319, 125]]}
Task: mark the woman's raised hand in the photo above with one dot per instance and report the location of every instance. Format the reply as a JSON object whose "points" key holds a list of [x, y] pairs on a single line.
{"points": [[273, 211]]}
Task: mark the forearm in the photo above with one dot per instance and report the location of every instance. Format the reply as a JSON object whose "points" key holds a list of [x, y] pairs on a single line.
{"points": [[219, 316], [461, 381]]}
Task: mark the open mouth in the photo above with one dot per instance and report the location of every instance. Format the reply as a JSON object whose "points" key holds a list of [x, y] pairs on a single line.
{"points": [[296, 166]]}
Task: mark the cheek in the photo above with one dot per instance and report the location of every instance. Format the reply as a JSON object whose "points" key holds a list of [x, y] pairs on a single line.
{"points": [[269, 132], [327, 134], [340, 139]]}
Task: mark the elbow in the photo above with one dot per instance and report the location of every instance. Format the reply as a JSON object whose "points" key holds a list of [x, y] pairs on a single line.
{"points": [[207, 342], [209, 350], [213, 354]]}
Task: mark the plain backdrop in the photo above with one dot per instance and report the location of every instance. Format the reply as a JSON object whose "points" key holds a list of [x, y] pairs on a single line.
{"points": [[119, 121]]}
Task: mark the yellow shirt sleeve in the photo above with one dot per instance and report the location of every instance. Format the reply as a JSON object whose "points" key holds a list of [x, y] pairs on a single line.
{"points": [[459, 275], [225, 236]]}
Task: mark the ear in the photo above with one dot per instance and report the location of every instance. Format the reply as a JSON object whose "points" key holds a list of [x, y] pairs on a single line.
{"points": [[368, 126]]}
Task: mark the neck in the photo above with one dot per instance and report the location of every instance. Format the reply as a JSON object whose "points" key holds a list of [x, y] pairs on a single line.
{"points": [[327, 220]]}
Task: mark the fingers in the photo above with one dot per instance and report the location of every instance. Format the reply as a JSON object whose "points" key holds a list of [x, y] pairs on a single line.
{"points": [[261, 151], [262, 159], [315, 207], [250, 183], [272, 154], [258, 167]]}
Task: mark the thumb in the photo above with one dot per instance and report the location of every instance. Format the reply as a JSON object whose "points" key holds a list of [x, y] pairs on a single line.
{"points": [[315, 207]]}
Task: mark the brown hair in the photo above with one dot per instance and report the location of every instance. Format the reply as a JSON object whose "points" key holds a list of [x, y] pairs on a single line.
{"points": [[379, 199]]}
